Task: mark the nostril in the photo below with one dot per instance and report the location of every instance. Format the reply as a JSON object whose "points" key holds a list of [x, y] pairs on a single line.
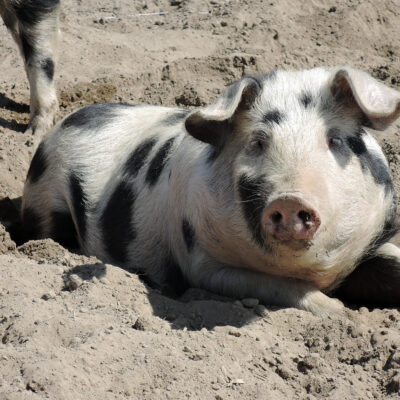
{"points": [[306, 218], [276, 217]]}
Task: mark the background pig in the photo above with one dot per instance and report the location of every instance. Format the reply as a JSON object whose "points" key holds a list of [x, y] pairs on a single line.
{"points": [[275, 191], [34, 27]]}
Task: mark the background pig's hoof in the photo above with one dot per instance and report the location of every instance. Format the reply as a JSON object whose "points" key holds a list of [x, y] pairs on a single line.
{"points": [[40, 124]]}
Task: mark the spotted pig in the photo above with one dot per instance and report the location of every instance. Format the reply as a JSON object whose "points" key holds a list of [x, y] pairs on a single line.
{"points": [[275, 191], [34, 26]]}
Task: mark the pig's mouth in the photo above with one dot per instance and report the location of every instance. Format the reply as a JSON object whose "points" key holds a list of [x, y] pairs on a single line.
{"points": [[294, 244]]}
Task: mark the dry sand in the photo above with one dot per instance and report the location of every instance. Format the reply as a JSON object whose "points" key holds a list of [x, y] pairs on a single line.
{"points": [[74, 328]]}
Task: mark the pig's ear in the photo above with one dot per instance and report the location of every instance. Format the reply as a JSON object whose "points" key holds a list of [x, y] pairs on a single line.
{"points": [[379, 103], [211, 123]]}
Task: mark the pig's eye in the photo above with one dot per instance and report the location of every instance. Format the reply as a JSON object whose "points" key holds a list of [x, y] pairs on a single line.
{"points": [[335, 142], [258, 144]]}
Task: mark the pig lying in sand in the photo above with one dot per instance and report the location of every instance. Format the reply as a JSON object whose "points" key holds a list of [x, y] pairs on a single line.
{"points": [[274, 191]]}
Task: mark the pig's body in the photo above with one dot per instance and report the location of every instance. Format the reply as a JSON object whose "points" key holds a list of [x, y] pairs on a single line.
{"points": [[274, 191]]}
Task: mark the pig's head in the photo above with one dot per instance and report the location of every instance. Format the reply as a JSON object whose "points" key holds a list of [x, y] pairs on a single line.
{"points": [[304, 190]]}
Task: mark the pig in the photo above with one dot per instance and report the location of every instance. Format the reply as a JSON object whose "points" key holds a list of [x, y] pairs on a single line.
{"points": [[34, 27], [274, 191]]}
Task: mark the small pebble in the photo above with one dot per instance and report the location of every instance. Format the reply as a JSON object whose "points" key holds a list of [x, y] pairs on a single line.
{"points": [[73, 282], [49, 295], [283, 372], [261, 310], [76, 341], [237, 381], [197, 356], [139, 325], [187, 349], [235, 333], [309, 362], [250, 303]]}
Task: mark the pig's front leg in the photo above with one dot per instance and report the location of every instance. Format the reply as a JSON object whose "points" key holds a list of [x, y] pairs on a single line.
{"points": [[241, 283]]}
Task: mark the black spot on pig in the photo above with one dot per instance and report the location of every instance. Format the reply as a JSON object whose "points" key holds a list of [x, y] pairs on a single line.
{"points": [[38, 165], [213, 153], [371, 162], [79, 204], [27, 46], [390, 228], [374, 282], [188, 234], [32, 12], [158, 162], [254, 194], [356, 145], [48, 68], [273, 117], [63, 229], [94, 116], [117, 227], [138, 157], [31, 224], [306, 99], [175, 283], [379, 171], [344, 147]]}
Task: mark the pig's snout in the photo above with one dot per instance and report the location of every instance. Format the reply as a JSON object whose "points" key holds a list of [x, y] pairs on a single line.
{"points": [[289, 218]]}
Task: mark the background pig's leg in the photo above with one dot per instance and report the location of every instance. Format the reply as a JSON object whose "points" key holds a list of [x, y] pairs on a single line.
{"points": [[375, 281], [34, 26]]}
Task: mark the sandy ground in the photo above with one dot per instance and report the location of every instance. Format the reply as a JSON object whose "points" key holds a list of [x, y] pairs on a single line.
{"points": [[74, 328]]}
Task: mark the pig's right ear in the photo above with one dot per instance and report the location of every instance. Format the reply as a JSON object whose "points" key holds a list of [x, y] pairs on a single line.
{"points": [[211, 123], [379, 103]]}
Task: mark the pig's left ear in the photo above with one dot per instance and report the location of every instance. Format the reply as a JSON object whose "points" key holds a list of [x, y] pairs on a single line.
{"points": [[211, 123], [379, 103]]}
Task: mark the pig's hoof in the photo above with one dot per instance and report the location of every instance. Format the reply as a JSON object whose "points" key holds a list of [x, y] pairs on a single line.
{"points": [[39, 126], [42, 121], [321, 305]]}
